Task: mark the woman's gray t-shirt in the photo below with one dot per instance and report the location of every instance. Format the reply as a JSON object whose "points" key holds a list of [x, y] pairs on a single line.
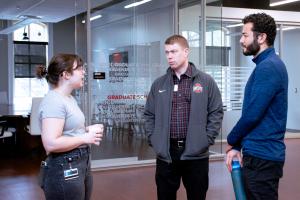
{"points": [[55, 105]]}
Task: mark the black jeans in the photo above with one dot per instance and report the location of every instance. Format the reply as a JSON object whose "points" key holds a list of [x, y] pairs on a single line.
{"points": [[58, 186], [261, 178], [194, 174]]}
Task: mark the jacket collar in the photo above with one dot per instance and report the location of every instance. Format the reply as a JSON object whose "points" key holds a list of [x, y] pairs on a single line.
{"points": [[194, 70], [263, 55]]}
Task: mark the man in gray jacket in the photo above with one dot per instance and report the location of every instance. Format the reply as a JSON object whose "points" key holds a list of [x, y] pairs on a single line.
{"points": [[183, 117]]}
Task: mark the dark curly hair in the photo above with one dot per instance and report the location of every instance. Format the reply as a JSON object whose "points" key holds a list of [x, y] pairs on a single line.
{"points": [[58, 64], [262, 23]]}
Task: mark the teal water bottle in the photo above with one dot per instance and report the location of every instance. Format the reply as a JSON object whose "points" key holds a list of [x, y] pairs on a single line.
{"points": [[238, 186]]}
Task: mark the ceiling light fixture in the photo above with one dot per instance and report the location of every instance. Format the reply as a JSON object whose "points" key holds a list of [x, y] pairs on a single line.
{"points": [[277, 3], [287, 28], [136, 3], [234, 25], [92, 18], [25, 37]]}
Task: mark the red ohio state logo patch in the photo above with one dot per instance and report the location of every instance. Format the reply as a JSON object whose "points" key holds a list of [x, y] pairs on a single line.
{"points": [[197, 88]]}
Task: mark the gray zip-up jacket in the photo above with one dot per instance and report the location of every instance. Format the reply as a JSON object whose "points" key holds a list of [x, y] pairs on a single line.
{"points": [[205, 119]]}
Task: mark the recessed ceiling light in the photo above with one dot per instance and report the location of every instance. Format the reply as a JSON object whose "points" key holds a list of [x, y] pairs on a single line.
{"points": [[93, 18], [277, 3], [29, 17], [136, 3], [287, 28], [235, 25]]}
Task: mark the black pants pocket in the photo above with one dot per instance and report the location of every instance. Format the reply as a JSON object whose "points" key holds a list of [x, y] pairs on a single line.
{"points": [[42, 173]]}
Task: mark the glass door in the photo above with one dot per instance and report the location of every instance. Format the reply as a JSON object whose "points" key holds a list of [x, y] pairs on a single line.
{"points": [[290, 48], [126, 57], [201, 23]]}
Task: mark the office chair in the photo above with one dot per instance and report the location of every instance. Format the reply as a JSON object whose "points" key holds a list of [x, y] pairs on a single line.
{"points": [[6, 131]]}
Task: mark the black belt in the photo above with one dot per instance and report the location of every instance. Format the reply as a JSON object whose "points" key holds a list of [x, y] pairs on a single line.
{"points": [[79, 150], [179, 143]]}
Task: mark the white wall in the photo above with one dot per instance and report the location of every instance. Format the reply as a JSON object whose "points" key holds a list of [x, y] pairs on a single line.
{"points": [[64, 36], [291, 49], [3, 63]]}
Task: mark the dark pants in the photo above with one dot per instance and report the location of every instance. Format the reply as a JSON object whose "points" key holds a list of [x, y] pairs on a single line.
{"points": [[261, 178], [194, 174], [59, 187]]}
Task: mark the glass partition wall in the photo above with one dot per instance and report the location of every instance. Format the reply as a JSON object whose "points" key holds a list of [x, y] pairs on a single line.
{"points": [[125, 54], [290, 50], [200, 22], [126, 57]]}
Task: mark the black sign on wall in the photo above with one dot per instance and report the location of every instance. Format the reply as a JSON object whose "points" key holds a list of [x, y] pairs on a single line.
{"points": [[99, 75]]}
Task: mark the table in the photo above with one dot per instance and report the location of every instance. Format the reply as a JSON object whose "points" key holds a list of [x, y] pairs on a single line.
{"points": [[13, 110]]}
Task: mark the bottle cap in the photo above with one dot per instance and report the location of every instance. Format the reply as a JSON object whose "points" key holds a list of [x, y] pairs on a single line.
{"points": [[236, 164]]}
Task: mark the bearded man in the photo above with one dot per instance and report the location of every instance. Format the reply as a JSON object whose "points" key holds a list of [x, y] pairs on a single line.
{"points": [[259, 133]]}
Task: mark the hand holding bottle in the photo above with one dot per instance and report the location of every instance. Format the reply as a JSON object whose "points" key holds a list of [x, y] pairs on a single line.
{"points": [[232, 154], [237, 181]]}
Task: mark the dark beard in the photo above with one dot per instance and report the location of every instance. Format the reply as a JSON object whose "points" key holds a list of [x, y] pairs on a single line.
{"points": [[252, 49]]}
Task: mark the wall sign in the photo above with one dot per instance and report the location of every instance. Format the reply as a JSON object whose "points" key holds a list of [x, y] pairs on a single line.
{"points": [[99, 75]]}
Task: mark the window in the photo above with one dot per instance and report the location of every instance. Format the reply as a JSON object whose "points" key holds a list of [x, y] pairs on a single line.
{"points": [[217, 46], [224, 64], [192, 38], [28, 54]]}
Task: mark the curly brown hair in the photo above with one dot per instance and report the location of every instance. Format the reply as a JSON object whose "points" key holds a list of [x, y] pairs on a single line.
{"points": [[262, 23]]}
